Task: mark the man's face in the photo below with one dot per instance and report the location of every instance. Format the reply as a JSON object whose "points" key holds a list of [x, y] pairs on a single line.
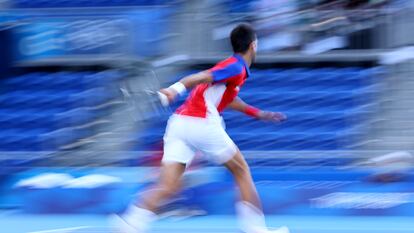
{"points": [[254, 49]]}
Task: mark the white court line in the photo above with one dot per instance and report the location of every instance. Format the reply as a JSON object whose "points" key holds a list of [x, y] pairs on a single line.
{"points": [[62, 230]]}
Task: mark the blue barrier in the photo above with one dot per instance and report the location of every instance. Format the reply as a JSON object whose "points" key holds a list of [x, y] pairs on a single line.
{"points": [[289, 192]]}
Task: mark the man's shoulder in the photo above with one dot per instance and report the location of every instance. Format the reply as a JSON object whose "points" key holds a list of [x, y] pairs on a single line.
{"points": [[229, 63]]}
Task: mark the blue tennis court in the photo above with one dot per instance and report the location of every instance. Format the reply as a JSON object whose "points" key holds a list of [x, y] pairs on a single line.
{"points": [[19, 223]]}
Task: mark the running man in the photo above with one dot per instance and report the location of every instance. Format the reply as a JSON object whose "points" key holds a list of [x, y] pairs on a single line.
{"points": [[197, 126]]}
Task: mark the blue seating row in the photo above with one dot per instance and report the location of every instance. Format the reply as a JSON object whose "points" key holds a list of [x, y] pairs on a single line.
{"points": [[42, 111]]}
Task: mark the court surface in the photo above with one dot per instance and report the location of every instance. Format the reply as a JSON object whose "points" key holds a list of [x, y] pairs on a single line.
{"points": [[20, 223]]}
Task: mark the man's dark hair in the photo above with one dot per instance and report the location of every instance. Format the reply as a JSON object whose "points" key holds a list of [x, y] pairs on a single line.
{"points": [[241, 37]]}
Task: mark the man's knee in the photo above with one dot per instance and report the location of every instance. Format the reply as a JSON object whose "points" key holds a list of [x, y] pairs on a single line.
{"points": [[170, 179], [242, 170], [238, 166]]}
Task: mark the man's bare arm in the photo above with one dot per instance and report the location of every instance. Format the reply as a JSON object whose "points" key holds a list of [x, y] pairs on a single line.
{"points": [[239, 105], [187, 83]]}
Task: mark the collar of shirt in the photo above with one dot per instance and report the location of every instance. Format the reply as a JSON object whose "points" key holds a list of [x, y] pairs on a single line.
{"points": [[240, 59]]}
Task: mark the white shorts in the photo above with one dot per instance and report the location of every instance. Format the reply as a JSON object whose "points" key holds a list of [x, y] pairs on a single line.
{"points": [[185, 135]]}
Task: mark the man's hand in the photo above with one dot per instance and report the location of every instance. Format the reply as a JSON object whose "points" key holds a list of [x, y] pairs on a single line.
{"points": [[169, 93], [272, 116]]}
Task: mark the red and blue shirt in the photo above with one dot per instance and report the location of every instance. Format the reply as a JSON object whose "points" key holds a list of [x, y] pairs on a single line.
{"points": [[210, 99]]}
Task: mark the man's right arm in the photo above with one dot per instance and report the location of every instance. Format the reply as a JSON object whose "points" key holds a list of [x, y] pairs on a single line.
{"points": [[187, 83], [217, 74], [193, 80]]}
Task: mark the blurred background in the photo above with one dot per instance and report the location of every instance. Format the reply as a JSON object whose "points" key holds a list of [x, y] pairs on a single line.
{"points": [[73, 150]]}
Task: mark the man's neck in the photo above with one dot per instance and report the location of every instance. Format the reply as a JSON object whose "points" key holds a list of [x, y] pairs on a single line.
{"points": [[247, 58]]}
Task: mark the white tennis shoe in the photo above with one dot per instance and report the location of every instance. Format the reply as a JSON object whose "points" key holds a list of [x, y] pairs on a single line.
{"points": [[120, 225]]}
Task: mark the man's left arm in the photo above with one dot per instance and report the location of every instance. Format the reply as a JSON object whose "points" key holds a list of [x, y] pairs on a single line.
{"points": [[239, 105]]}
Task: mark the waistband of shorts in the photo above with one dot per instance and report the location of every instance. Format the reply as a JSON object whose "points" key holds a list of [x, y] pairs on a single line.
{"points": [[211, 119]]}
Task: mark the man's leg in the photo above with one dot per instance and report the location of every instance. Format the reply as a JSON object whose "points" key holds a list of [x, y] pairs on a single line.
{"points": [[241, 173], [139, 216], [249, 209], [168, 184]]}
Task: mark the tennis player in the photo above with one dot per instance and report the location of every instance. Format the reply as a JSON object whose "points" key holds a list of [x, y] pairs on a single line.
{"points": [[197, 126]]}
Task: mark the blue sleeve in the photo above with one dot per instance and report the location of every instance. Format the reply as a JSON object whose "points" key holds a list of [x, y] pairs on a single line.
{"points": [[221, 74]]}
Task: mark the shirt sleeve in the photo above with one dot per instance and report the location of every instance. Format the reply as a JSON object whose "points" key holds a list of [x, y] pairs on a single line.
{"points": [[222, 74]]}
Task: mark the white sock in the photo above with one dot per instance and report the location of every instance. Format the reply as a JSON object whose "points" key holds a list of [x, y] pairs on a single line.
{"points": [[250, 218], [139, 218]]}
